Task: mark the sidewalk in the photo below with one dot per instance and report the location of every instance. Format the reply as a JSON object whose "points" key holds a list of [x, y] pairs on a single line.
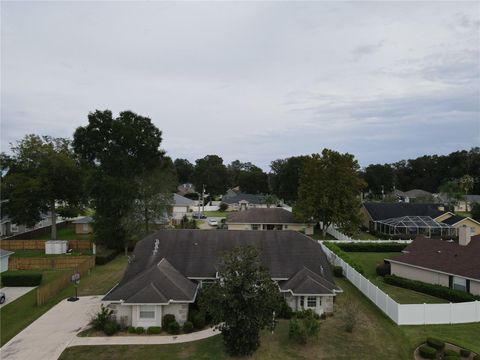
{"points": [[143, 340]]}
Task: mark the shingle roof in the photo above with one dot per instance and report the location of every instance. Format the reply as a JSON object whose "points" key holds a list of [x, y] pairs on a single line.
{"points": [[414, 193], [182, 200], [445, 256], [158, 284], [83, 220], [306, 282], [196, 254], [453, 219], [251, 198], [262, 216], [381, 211]]}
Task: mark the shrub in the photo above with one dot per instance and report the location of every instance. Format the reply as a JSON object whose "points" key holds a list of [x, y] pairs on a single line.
{"points": [[476, 357], [349, 316], [465, 352], [167, 320], [131, 329], [187, 327], [223, 206], [452, 357], [101, 318], [338, 271], [383, 269], [431, 289], [21, 278], [139, 330], [312, 326], [285, 311], [452, 353], [198, 320], [435, 343], [104, 256], [110, 328], [296, 333], [370, 246], [173, 328], [323, 316], [154, 330], [427, 352], [344, 256]]}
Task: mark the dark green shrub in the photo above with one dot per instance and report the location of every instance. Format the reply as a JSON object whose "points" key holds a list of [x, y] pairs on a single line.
{"points": [[476, 357], [173, 328], [431, 289], [371, 246], [449, 352], [312, 326], [110, 328], [187, 327], [167, 320], [383, 269], [323, 316], [223, 206], [154, 330], [435, 343], [198, 320], [21, 278], [285, 311], [452, 357], [131, 330], [297, 333], [465, 352], [344, 256], [139, 330], [101, 318], [427, 352], [104, 256], [338, 271]]}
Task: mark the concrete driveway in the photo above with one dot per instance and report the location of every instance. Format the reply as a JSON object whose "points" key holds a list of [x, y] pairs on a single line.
{"points": [[49, 335], [12, 293]]}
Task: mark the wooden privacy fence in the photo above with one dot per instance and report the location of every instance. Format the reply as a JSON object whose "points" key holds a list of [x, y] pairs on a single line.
{"points": [[13, 245], [60, 262], [47, 291]]}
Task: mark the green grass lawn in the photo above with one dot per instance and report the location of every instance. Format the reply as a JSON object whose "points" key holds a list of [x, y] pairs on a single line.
{"points": [[370, 260], [362, 235], [67, 233], [22, 312], [375, 337], [463, 213], [41, 253], [218, 214], [318, 235]]}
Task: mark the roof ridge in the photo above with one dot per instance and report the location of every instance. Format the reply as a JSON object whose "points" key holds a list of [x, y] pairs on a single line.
{"points": [[174, 283]]}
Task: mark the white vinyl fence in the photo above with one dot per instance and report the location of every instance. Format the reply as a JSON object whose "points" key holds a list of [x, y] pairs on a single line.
{"points": [[342, 237], [408, 314]]}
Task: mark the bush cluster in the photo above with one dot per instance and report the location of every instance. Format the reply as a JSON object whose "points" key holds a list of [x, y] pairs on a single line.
{"points": [[131, 329], [285, 311], [427, 352], [167, 320], [338, 271], [344, 256], [139, 330], [173, 328], [383, 269], [110, 328], [154, 330], [435, 343], [188, 327], [298, 331], [370, 246], [102, 321], [476, 357], [198, 319], [431, 289], [21, 278], [465, 352], [105, 256]]}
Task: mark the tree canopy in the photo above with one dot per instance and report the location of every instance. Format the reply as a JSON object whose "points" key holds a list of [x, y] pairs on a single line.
{"points": [[243, 301], [379, 179], [329, 190], [42, 176], [184, 170], [211, 172], [285, 177]]}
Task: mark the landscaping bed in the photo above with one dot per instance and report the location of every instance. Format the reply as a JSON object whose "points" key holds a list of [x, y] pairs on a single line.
{"points": [[440, 350]]}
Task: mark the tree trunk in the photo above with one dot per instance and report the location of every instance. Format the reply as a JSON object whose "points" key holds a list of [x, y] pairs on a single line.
{"points": [[54, 221], [126, 250], [146, 220]]}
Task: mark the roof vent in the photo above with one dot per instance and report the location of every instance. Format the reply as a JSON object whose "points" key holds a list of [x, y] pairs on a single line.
{"points": [[439, 251], [321, 270], [155, 247], [131, 259]]}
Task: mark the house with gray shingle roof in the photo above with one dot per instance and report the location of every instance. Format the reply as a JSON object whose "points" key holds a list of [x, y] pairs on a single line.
{"points": [[167, 268], [243, 201]]}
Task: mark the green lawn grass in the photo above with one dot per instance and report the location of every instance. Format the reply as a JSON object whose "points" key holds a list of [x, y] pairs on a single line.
{"points": [[318, 235], [22, 312], [369, 262], [375, 337], [67, 233], [41, 253], [362, 235], [463, 213]]}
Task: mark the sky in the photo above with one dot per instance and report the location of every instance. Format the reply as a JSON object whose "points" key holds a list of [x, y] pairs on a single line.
{"points": [[254, 81]]}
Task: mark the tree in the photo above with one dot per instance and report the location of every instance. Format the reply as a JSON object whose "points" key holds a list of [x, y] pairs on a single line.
{"points": [[270, 199], [42, 176], [118, 151], [184, 169], [243, 301], [466, 183], [285, 177], [211, 172], [329, 190], [475, 211], [379, 179], [452, 192], [253, 180]]}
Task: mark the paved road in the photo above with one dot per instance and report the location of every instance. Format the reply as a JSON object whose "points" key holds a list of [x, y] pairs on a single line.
{"points": [[14, 292], [49, 335]]}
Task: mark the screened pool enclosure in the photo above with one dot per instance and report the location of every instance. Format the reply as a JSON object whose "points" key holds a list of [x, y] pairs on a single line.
{"points": [[415, 225]]}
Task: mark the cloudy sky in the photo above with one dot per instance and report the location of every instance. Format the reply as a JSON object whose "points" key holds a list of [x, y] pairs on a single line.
{"points": [[250, 81]]}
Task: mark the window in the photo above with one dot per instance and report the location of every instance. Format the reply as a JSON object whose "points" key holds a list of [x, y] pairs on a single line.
{"points": [[254, 227], [302, 302], [85, 228], [459, 284], [311, 301], [13, 228], [146, 312], [285, 227]]}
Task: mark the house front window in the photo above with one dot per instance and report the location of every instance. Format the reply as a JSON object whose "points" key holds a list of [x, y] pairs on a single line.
{"points": [[302, 302], [311, 301], [146, 312], [459, 283], [254, 227]]}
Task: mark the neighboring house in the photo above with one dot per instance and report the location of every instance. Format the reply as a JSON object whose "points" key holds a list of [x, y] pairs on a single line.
{"points": [[4, 256], [181, 206], [414, 195], [83, 225], [446, 263], [185, 189], [460, 204], [231, 193], [168, 267], [266, 219], [242, 201], [458, 221], [8, 228]]}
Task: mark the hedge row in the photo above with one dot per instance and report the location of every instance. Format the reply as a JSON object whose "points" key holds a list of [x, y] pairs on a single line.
{"points": [[105, 256], [345, 257], [431, 289], [21, 279], [369, 246]]}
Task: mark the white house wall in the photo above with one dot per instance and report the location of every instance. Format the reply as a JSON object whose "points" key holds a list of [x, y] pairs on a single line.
{"points": [[179, 310], [413, 273]]}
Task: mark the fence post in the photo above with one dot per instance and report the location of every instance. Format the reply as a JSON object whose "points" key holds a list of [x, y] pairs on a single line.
{"points": [[424, 314], [451, 312]]}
